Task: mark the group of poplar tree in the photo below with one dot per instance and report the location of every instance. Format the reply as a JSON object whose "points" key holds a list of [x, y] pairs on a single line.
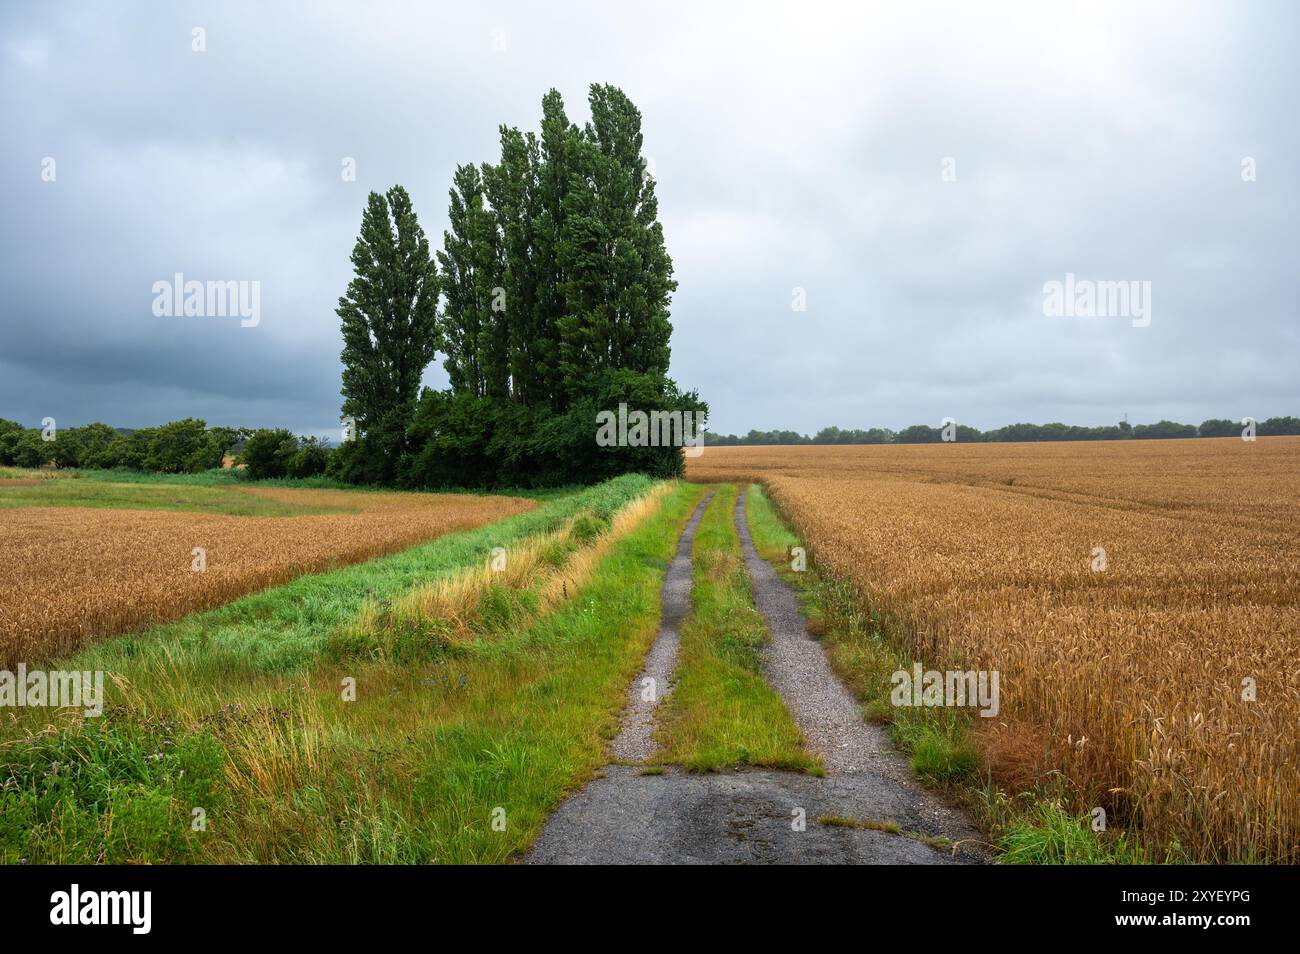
{"points": [[549, 302]]}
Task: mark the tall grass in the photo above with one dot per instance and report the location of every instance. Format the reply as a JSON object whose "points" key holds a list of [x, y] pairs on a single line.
{"points": [[525, 579], [213, 714]]}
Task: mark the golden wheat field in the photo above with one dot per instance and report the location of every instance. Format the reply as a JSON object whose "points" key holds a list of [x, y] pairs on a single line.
{"points": [[1136, 677], [69, 574]]}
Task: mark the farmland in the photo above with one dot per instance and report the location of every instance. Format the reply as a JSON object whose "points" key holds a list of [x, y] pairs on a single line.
{"points": [[1123, 673], [87, 558], [238, 711], [1140, 600]]}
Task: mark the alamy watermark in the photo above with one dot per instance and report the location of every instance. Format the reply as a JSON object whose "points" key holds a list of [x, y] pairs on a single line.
{"points": [[650, 429], [213, 299], [1084, 298], [130, 908], [954, 687], [57, 688]]}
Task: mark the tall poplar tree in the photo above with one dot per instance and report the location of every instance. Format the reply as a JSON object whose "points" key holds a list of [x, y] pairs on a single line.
{"points": [[511, 188], [554, 173], [390, 329], [557, 288], [476, 336], [617, 273]]}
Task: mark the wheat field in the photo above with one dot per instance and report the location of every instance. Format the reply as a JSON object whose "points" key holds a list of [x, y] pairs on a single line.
{"points": [[1141, 601], [70, 574]]}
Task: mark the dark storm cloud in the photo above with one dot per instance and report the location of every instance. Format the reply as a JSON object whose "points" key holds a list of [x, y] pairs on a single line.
{"points": [[796, 147]]}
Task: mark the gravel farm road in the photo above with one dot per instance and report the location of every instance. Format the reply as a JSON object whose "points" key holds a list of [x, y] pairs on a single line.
{"points": [[754, 815]]}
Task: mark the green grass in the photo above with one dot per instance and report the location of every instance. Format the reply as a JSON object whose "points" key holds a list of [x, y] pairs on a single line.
{"points": [[237, 713], [235, 477], [286, 628], [722, 712], [937, 842], [940, 744], [103, 794], [867, 824], [63, 492], [216, 477], [211, 491], [1045, 834]]}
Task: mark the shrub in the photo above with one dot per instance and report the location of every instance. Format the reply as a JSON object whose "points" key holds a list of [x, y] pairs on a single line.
{"points": [[1218, 427], [30, 450], [1276, 426], [310, 460], [95, 440], [1163, 429], [127, 450], [183, 447], [345, 463], [468, 441], [10, 433], [268, 453]]}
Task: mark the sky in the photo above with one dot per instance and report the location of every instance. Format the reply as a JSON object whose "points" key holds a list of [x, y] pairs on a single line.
{"points": [[863, 203]]}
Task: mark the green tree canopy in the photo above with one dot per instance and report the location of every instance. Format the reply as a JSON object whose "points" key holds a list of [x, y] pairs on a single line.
{"points": [[390, 329]]}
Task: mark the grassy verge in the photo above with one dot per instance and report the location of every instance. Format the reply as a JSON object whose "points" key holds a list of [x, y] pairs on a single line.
{"points": [[130, 495], [227, 477], [943, 744], [205, 755], [722, 712], [216, 477], [523, 581], [286, 628]]}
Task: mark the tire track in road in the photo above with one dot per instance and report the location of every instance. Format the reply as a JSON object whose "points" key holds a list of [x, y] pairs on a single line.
{"points": [[635, 741], [750, 815], [827, 713]]}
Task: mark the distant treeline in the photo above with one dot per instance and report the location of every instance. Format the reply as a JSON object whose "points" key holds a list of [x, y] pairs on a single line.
{"points": [[190, 446], [181, 447], [924, 434]]}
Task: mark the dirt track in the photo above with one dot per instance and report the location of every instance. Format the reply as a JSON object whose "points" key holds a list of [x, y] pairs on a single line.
{"points": [[635, 742], [753, 815]]}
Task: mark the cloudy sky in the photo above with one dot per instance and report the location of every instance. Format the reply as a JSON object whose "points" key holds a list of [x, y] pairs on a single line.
{"points": [[914, 172]]}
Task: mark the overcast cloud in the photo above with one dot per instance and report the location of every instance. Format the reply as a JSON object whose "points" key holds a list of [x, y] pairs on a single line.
{"points": [[795, 146]]}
